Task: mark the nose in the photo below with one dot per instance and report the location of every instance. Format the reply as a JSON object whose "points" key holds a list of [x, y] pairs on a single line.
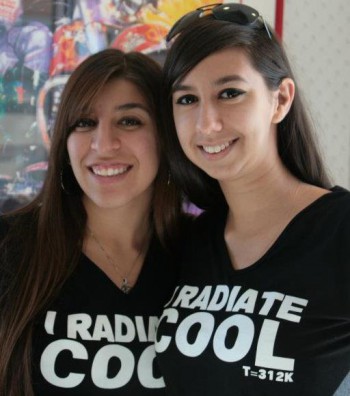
{"points": [[208, 119], [105, 138]]}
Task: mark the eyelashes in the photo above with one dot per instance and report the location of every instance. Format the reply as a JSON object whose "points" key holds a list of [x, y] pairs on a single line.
{"points": [[226, 94], [88, 124], [130, 122], [231, 93], [82, 124], [186, 100]]}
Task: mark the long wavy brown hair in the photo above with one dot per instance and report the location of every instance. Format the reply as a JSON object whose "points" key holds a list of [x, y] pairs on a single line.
{"points": [[43, 241]]}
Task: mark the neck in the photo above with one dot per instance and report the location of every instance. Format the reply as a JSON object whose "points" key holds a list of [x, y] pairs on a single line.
{"points": [[117, 242], [252, 201], [122, 227]]}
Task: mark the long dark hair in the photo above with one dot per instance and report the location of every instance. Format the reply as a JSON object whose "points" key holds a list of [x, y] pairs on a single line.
{"points": [[295, 136], [44, 240]]}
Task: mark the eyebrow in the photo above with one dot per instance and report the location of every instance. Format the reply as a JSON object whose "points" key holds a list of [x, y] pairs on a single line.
{"points": [[218, 82], [132, 105]]}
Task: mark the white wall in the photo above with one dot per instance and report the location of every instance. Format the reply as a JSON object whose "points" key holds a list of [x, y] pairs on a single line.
{"points": [[316, 34]]}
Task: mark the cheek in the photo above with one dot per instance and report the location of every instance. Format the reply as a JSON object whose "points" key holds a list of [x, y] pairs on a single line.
{"points": [[149, 150], [72, 147], [78, 147]]}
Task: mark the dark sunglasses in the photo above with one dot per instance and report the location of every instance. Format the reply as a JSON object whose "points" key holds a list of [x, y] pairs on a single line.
{"points": [[232, 12]]}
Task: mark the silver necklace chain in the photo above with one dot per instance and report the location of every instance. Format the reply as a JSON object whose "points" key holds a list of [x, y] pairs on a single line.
{"points": [[125, 286]]}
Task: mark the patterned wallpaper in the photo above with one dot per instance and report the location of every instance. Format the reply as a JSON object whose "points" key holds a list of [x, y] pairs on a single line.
{"points": [[317, 37]]}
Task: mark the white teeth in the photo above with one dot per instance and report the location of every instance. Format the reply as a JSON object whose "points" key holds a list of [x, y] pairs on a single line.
{"points": [[109, 171], [216, 149]]}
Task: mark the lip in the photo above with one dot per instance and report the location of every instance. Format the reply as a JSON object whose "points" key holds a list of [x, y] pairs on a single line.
{"points": [[217, 150]]}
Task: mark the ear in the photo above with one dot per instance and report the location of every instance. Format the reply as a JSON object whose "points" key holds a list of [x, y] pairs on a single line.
{"points": [[285, 96]]}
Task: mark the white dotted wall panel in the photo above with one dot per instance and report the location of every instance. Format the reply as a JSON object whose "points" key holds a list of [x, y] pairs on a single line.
{"points": [[317, 37]]}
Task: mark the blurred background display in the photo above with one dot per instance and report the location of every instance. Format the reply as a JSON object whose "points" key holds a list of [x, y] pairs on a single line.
{"points": [[42, 42]]}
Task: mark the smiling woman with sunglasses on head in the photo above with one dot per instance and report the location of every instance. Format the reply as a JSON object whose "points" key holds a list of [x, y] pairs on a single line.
{"points": [[262, 306]]}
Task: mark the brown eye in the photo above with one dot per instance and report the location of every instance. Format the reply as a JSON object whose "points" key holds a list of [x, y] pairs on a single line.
{"points": [[186, 100], [231, 93], [130, 122], [83, 124]]}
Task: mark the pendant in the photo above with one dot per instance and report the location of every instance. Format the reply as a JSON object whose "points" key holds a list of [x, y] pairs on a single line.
{"points": [[125, 287]]}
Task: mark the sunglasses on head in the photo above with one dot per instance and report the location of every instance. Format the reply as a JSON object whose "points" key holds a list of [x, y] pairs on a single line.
{"points": [[236, 13]]}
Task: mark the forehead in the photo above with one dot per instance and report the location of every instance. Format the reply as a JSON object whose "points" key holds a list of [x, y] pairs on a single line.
{"points": [[121, 89], [226, 62], [119, 93]]}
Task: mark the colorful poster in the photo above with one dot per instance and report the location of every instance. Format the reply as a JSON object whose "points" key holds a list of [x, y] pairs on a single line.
{"points": [[42, 42]]}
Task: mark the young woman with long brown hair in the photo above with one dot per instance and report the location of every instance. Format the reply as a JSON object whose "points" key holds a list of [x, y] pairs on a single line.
{"points": [[86, 267]]}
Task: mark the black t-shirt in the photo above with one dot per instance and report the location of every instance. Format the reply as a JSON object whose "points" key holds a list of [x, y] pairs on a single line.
{"points": [[280, 327], [96, 340]]}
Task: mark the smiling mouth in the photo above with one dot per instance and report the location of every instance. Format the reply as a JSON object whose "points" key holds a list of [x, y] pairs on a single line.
{"points": [[109, 171], [218, 148]]}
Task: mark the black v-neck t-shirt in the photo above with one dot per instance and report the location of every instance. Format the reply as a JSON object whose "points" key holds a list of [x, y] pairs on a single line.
{"points": [[280, 327], [95, 340]]}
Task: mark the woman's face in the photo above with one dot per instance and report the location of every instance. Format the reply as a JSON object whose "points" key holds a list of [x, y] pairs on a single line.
{"points": [[226, 117], [113, 150]]}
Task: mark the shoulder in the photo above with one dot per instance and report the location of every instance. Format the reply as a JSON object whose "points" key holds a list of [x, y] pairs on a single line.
{"points": [[326, 224], [327, 217], [340, 195], [332, 206], [336, 205], [338, 214]]}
